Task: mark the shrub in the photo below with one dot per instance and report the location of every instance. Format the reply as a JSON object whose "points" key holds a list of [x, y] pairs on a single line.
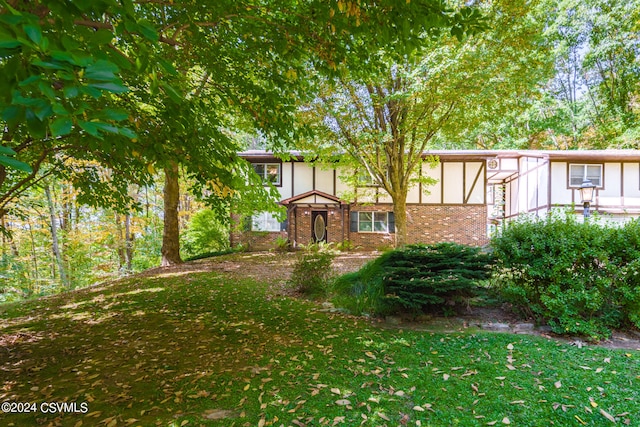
{"points": [[312, 272], [423, 277], [415, 278], [581, 278], [282, 244], [362, 291], [206, 233]]}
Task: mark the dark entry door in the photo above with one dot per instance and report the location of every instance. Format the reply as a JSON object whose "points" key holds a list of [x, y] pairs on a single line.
{"points": [[319, 226]]}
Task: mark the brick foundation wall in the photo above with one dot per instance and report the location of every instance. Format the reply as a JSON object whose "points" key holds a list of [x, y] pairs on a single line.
{"points": [[465, 224]]}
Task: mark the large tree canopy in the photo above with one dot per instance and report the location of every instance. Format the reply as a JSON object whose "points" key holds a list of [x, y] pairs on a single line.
{"points": [[443, 93], [74, 73], [591, 100], [102, 92]]}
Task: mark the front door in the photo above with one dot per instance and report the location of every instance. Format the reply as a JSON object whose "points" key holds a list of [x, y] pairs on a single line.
{"points": [[318, 226]]}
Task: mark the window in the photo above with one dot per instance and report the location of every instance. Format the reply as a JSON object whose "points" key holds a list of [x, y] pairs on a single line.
{"points": [[365, 179], [269, 172], [265, 221], [373, 222], [578, 173]]}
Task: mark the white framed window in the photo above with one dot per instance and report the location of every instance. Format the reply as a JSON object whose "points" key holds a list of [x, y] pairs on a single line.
{"points": [[269, 172], [372, 222], [365, 179], [265, 221], [580, 172]]}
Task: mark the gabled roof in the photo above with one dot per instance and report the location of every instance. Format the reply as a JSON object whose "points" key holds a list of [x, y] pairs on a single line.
{"points": [[313, 197]]}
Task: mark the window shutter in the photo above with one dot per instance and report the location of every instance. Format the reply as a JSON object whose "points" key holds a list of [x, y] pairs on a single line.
{"points": [[354, 222], [392, 222]]}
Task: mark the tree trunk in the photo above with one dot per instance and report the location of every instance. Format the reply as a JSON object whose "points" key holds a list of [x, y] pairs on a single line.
{"points": [[120, 242], [34, 257], [54, 237], [128, 241], [400, 214], [171, 233]]}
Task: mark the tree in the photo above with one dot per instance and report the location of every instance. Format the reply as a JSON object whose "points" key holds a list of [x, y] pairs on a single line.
{"points": [[441, 93], [591, 99], [80, 78]]}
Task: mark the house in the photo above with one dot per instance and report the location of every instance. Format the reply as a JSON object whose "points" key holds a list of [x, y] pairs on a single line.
{"points": [[476, 190]]}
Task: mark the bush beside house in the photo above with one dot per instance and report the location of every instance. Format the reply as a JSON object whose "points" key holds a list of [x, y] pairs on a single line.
{"points": [[580, 278]]}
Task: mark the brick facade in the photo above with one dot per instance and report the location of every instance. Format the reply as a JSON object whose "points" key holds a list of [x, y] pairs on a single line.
{"points": [[465, 224]]}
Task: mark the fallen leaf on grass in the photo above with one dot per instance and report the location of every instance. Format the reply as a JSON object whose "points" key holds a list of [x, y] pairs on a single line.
{"points": [[343, 402], [383, 416], [335, 391], [557, 384], [506, 420], [607, 415], [445, 377]]}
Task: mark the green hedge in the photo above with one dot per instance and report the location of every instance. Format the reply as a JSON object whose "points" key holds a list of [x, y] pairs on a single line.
{"points": [[580, 278]]}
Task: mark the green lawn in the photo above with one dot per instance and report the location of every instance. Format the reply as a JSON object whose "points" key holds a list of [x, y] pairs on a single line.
{"points": [[185, 349]]}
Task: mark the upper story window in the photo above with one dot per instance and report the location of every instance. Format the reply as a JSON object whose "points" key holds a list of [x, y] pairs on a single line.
{"points": [[269, 172], [578, 173], [365, 179]]}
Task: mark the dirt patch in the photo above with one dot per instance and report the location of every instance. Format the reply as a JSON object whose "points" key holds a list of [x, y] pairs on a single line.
{"points": [[276, 267]]}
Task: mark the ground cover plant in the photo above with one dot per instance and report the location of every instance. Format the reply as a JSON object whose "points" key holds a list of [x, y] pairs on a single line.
{"points": [[581, 278], [183, 349], [415, 278]]}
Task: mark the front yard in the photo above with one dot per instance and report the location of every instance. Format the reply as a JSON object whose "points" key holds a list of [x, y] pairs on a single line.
{"points": [[210, 345]]}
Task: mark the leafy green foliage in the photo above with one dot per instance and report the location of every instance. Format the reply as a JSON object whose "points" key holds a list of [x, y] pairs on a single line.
{"points": [[312, 272], [205, 233], [443, 91], [426, 275], [416, 278], [581, 278], [590, 100], [361, 292], [421, 277]]}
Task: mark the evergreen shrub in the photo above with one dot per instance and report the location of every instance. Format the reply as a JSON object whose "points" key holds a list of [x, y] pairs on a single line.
{"points": [[580, 278], [414, 278]]}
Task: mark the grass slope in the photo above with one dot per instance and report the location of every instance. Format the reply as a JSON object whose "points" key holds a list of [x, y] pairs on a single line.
{"points": [[205, 349]]}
